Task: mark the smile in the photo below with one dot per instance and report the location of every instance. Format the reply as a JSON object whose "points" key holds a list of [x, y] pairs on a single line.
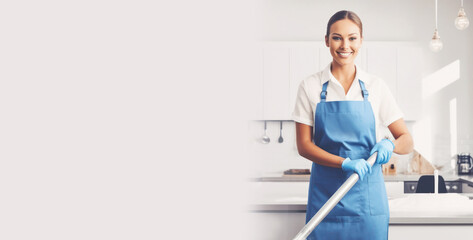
{"points": [[344, 54]]}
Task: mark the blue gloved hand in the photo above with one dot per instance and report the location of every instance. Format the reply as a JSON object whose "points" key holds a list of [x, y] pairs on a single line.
{"points": [[385, 149], [360, 166]]}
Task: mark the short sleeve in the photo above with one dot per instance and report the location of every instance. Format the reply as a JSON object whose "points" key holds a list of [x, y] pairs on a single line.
{"points": [[389, 111], [302, 110]]}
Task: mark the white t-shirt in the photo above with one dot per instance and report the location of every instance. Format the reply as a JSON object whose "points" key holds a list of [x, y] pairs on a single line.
{"points": [[385, 108]]}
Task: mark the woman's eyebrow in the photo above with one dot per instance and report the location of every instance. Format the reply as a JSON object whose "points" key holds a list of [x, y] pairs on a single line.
{"points": [[348, 34]]}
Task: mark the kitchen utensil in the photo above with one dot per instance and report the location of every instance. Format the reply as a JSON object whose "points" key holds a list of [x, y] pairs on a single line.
{"points": [[330, 204], [464, 163], [265, 138], [280, 140]]}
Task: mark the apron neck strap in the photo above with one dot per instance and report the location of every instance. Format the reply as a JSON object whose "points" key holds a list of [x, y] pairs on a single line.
{"points": [[323, 94], [364, 92]]}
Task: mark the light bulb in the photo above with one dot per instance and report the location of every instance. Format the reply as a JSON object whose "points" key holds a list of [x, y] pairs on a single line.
{"points": [[435, 44], [461, 22]]}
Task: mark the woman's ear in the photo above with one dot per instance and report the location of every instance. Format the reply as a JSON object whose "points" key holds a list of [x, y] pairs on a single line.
{"points": [[326, 40]]}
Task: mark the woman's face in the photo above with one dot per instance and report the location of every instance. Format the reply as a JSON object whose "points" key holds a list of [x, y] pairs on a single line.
{"points": [[344, 41]]}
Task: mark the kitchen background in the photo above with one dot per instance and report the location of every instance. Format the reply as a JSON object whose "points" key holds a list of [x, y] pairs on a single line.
{"points": [[441, 94]]}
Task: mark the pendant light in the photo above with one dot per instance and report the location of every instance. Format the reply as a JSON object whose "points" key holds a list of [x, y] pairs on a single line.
{"points": [[435, 44], [461, 22]]}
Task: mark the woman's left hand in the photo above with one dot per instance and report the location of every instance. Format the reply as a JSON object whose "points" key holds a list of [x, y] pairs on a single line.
{"points": [[385, 149]]}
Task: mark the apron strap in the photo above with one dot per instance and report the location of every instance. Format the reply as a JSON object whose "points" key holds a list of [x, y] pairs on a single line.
{"points": [[323, 94], [364, 92]]}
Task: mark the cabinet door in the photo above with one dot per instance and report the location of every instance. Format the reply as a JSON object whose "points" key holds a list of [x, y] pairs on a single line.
{"points": [[382, 62], [276, 82], [409, 81], [324, 56], [255, 87], [304, 61]]}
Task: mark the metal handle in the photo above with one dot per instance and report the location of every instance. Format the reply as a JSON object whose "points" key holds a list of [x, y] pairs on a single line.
{"points": [[331, 203]]}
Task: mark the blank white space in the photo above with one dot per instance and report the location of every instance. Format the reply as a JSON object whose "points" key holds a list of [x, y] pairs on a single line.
{"points": [[122, 119]]}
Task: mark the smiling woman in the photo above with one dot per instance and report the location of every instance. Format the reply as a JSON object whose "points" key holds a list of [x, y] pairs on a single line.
{"points": [[338, 112], [344, 38]]}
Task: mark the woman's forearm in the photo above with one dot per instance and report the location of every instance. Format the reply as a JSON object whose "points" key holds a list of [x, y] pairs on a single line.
{"points": [[318, 155], [309, 150], [403, 144]]}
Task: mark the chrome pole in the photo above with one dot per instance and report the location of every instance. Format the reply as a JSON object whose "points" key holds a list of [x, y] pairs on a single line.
{"points": [[330, 204]]}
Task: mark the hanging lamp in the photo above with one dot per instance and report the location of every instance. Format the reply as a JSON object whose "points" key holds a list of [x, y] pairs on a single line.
{"points": [[461, 22], [436, 44]]}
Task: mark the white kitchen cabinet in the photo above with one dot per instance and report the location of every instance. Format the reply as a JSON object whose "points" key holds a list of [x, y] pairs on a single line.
{"points": [[394, 188], [361, 59], [276, 82], [382, 62], [286, 225], [324, 57], [255, 87], [277, 212], [304, 61], [285, 65]]}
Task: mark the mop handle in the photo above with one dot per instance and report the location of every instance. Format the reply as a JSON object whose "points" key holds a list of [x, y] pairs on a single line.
{"points": [[330, 204]]}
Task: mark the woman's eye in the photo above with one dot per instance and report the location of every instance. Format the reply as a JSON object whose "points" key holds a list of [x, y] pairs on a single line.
{"points": [[353, 38], [336, 38]]}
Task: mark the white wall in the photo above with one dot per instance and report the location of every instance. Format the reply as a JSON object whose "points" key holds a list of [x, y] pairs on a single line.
{"points": [[391, 20]]}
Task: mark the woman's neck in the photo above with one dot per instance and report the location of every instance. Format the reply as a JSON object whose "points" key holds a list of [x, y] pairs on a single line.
{"points": [[345, 74]]}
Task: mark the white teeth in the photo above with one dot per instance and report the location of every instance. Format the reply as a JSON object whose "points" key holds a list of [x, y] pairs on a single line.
{"points": [[344, 54]]}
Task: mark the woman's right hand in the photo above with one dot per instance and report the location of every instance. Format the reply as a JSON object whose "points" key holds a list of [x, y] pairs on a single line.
{"points": [[360, 166]]}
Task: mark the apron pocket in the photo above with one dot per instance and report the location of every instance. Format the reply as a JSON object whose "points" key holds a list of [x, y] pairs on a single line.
{"points": [[378, 199]]}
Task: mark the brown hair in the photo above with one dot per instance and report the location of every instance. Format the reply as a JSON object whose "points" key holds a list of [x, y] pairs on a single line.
{"points": [[344, 14]]}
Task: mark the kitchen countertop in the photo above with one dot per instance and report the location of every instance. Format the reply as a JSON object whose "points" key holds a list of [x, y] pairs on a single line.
{"points": [[394, 219], [441, 214], [280, 177], [399, 215]]}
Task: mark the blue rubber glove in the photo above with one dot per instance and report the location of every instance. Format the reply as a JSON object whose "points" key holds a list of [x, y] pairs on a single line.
{"points": [[360, 166], [385, 149]]}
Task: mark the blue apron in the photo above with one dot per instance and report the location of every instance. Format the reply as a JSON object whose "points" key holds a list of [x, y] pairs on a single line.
{"points": [[347, 129]]}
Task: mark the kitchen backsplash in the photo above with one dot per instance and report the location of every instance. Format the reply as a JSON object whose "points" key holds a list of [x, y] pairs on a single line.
{"points": [[276, 157]]}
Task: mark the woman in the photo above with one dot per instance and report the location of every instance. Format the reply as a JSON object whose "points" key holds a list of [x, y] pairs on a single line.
{"points": [[338, 113]]}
